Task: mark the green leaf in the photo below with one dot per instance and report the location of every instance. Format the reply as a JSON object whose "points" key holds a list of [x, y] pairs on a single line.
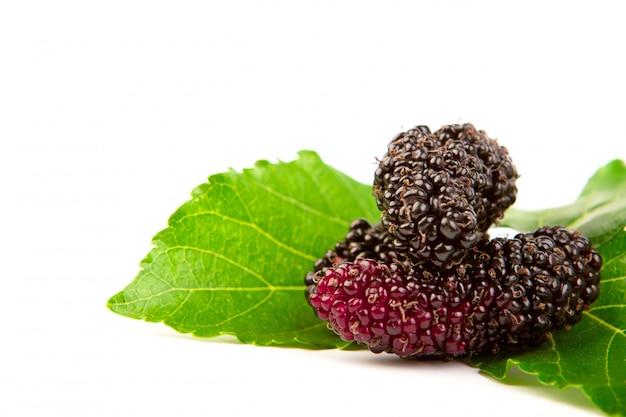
{"points": [[600, 208], [592, 354], [234, 257]]}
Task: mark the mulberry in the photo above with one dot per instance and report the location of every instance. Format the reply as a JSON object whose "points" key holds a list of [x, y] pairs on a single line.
{"points": [[362, 241], [440, 192], [530, 286], [503, 191], [505, 293], [373, 304]]}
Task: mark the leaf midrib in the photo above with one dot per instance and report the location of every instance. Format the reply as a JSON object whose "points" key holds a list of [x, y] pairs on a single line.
{"points": [[579, 220]]}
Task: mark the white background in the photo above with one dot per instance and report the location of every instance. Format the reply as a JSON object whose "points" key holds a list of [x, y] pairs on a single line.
{"points": [[111, 112]]}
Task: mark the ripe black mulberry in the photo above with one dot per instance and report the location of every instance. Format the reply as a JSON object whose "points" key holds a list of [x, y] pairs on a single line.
{"points": [[501, 195], [439, 192], [541, 281]]}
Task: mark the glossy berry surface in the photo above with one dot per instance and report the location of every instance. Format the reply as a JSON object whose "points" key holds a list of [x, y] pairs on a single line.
{"points": [[439, 192], [541, 281], [507, 293], [363, 241], [373, 304]]}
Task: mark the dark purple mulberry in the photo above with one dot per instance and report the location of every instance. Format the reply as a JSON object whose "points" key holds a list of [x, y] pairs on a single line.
{"points": [[440, 192], [505, 293], [542, 281], [363, 241], [501, 195]]}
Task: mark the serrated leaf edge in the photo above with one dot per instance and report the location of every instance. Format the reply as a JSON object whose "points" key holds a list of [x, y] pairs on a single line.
{"points": [[564, 384]]}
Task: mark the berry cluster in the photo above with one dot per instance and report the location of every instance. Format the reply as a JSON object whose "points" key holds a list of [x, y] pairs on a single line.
{"points": [[440, 287]]}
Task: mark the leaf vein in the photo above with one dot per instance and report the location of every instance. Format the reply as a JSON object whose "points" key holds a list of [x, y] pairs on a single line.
{"points": [[256, 228], [604, 323], [220, 289], [609, 384], [305, 207], [574, 224], [613, 279], [605, 307], [241, 313], [182, 303], [612, 260], [222, 257], [243, 202]]}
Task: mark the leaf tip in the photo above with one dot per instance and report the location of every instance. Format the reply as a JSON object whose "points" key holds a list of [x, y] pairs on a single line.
{"points": [[118, 304], [309, 154]]}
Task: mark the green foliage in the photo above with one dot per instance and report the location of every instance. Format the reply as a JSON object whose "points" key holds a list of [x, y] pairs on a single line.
{"points": [[234, 257], [233, 260], [592, 355], [598, 212]]}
